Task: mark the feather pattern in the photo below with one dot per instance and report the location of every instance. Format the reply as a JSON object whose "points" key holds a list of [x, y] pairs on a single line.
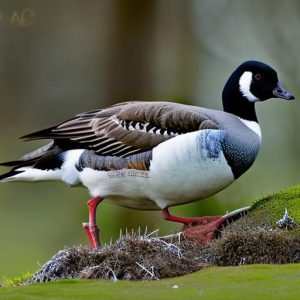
{"points": [[127, 128]]}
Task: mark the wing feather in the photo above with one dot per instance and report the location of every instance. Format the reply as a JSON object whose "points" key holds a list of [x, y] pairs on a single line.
{"points": [[127, 128]]}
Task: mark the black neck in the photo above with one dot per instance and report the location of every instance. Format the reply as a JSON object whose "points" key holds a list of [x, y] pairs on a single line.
{"points": [[235, 103]]}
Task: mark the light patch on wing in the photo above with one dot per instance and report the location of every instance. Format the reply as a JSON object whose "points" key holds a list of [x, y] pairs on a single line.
{"points": [[68, 169], [245, 83], [143, 127], [254, 126]]}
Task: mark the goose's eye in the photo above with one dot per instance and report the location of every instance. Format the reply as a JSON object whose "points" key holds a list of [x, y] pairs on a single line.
{"points": [[257, 76]]}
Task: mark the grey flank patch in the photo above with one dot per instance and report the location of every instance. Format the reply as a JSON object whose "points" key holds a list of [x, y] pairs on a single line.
{"points": [[209, 143], [140, 162]]}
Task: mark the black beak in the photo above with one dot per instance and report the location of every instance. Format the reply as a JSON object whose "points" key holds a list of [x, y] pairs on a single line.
{"points": [[280, 92]]}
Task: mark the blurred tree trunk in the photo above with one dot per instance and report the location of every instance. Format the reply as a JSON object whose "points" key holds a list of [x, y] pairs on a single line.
{"points": [[129, 67]]}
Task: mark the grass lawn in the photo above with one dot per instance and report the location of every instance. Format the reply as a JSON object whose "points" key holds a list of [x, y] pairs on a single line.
{"points": [[244, 282]]}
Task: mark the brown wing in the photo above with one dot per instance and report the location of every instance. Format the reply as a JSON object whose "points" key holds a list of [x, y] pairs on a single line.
{"points": [[127, 128]]}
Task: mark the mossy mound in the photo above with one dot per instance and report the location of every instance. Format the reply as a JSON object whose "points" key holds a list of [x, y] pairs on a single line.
{"points": [[261, 236], [254, 238], [255, 246], [268, 210]]}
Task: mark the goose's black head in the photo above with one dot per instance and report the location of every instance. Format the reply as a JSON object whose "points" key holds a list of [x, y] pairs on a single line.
{"points": [[252, 81]]}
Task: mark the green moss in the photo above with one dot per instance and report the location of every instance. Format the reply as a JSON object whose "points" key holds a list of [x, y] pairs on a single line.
{"points": [[265, 212], [17, 280], [256, 238], [273, 206], [218, 283]]}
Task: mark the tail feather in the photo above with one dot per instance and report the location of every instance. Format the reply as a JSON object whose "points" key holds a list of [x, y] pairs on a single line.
{"points": [[11, 163], [9, 175], [37, 135], [15, 165], [18, 163], [39, 165], [29, 158], [49, 163]]}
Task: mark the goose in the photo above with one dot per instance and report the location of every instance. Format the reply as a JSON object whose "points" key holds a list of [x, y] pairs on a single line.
{"points": [[155, 155]]}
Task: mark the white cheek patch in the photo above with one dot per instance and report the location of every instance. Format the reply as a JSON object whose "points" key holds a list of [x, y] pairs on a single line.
{"points": [[245, 83]]}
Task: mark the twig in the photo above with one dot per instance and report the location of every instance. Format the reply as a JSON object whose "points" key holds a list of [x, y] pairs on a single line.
{"points": [[110, 270], [149, 272]]}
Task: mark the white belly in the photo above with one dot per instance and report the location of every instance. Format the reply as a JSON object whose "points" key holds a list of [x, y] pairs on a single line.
{"points": [[183, 169]]}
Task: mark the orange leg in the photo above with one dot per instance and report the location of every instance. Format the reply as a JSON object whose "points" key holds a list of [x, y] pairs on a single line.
{"points": [[91, 228], [188, 221], [202, 229]]}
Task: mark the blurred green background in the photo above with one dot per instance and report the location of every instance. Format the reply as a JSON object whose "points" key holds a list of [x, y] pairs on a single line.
{"points": [[59, 58]]}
